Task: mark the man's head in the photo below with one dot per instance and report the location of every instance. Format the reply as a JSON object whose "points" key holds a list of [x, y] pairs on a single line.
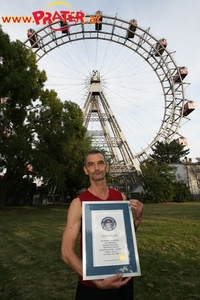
{"points": [[94, 151], [95, 165]]}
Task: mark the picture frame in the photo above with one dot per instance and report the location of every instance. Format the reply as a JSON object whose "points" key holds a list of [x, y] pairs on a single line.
{"points": [[109, 240]]}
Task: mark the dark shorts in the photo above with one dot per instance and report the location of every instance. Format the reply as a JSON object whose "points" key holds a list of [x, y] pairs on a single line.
{"points": [[85, 292]]}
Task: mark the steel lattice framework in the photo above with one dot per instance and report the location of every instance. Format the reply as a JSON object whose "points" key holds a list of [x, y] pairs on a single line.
{"points": [[144, 44], [110, 137]]}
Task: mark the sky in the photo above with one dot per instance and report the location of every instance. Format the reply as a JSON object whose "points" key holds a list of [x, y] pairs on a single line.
{"points": [[176, 20]]}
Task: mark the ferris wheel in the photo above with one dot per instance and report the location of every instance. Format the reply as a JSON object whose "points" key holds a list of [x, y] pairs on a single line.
{"points": [[143, 86]]}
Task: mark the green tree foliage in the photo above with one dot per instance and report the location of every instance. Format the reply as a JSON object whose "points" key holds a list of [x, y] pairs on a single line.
{"points": [[20, 85], [60, 142], [157, 181], [36, 128], [181, 192], [169, 153], [158, 176]]}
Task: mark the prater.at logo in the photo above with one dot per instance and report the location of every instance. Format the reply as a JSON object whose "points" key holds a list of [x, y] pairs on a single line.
{"points": [[66, 17]]}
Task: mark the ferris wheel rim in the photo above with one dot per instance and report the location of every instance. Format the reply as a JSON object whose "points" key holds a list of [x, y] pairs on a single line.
{"points": [[143, 44]]}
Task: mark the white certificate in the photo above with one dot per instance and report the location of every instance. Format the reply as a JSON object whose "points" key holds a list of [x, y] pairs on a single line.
{"points": [[109, 241]]}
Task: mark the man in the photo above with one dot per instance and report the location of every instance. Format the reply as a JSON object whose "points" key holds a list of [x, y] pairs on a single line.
{"points": [[114, 287]]}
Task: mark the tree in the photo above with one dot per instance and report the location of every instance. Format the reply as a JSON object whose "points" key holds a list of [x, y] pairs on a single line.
{"points": [[181, 192], [60, 142], [20, 86], [169, 153], [39, 135], [158, 177], [157, 181]]}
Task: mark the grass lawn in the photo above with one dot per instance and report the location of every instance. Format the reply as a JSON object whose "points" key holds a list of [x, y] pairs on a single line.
{"points": [[168, 244]]}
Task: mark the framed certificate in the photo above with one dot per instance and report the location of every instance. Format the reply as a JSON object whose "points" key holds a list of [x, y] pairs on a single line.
{"points": [[109, 241]]}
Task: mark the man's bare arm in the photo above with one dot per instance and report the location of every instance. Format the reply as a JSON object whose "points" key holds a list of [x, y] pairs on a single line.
{"points": [[70, 237]]}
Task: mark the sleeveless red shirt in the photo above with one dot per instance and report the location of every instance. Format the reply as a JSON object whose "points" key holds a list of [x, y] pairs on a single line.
{"points": [[114, 195]]}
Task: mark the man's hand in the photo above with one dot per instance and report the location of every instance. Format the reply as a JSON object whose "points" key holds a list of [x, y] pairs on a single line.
{"points": [[113, 282], [137, 206]]}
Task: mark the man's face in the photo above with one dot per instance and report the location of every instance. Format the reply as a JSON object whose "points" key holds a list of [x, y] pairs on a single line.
{"points": [[96, 167]]}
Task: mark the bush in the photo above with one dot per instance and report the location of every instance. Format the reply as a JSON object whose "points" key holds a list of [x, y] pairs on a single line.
{"points": [[181, 192]]}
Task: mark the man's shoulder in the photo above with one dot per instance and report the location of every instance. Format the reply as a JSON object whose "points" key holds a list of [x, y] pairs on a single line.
{"points": [[75, 201], [86, 196], [115, 193]]}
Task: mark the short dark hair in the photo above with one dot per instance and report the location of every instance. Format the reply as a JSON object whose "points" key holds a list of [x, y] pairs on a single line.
{"points": [[94, 151]]}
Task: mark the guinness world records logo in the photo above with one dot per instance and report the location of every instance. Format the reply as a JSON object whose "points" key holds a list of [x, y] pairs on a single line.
{"points": [[108, 223]]}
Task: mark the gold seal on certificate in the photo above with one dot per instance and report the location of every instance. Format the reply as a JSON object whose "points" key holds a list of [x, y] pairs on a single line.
{"points": [[109, 242], [122, 257]]}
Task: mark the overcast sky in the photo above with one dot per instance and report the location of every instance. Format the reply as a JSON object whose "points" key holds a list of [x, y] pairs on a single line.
{"points": [[176, 20]]}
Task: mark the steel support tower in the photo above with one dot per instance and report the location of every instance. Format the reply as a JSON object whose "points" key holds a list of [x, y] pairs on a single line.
{"points": [[106, 133]]}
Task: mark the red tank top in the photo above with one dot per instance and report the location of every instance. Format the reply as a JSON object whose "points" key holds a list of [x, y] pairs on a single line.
{"points": [[114, 195]]}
